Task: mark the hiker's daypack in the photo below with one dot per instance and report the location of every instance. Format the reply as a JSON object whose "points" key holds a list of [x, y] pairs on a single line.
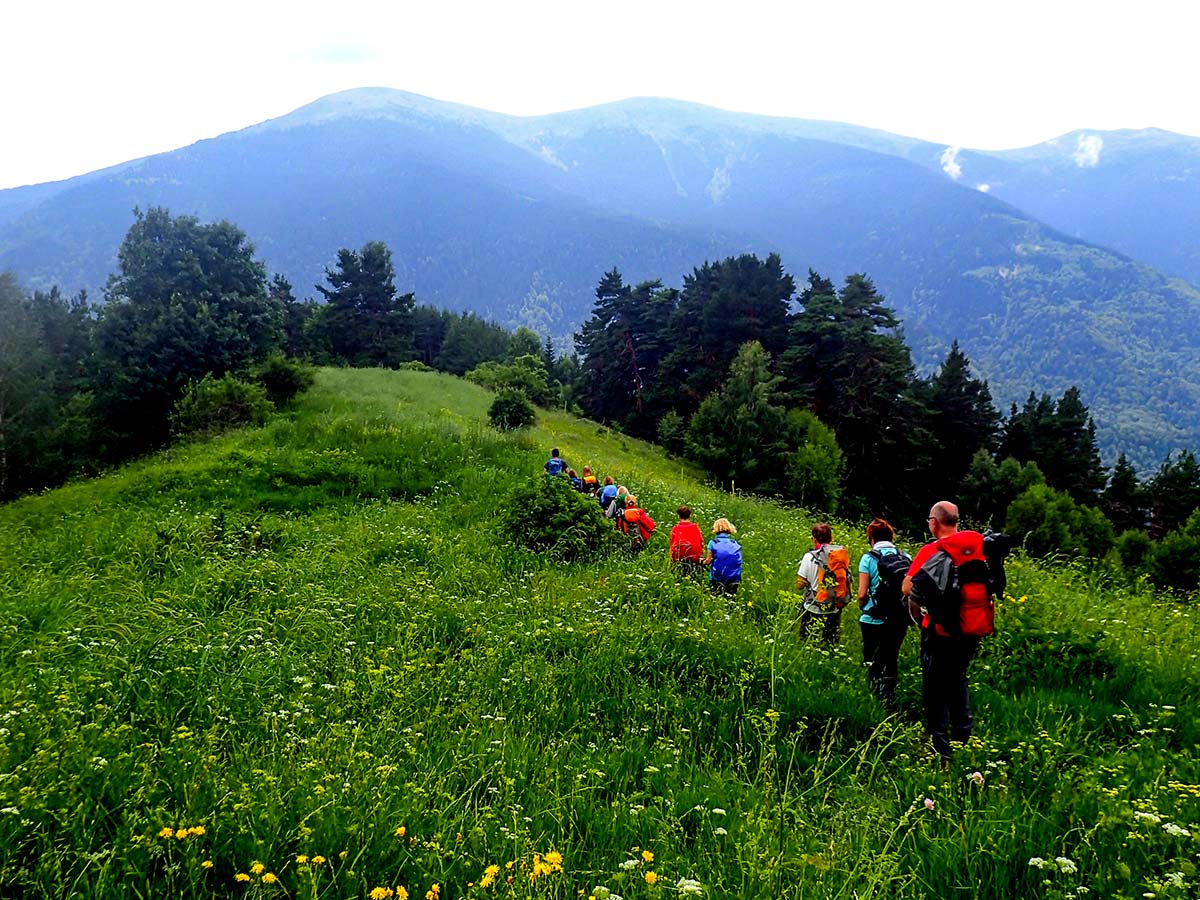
{"points": [[591, 483], [638, 521], [832, 590], [890, 604], [958, 584], [726, 559], [556, 465]]}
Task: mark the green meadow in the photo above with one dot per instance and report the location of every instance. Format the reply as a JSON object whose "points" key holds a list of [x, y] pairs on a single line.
{"points": [[305, 661]]}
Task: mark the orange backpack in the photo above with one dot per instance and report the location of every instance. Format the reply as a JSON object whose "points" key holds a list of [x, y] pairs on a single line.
{"points": [[833, 584]]}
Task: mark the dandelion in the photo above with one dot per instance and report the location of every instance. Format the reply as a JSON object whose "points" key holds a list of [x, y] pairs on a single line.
{"points": [[302, 860], [401, 894], [400, 832], [257, 868], [489, 876], [241, 876], [648, 856], [318, 860], [380, 893], [554, 858], [434, 892], [182, 834], [167, 833], [197, 830], [269, 878], [207, 864], [651, 877]]}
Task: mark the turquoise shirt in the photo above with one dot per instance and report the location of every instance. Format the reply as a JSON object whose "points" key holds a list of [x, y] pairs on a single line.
{"points": [[869, 565]]}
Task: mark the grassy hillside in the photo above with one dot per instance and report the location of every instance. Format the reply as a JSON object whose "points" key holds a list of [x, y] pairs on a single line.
{"points": [[310, 648]]}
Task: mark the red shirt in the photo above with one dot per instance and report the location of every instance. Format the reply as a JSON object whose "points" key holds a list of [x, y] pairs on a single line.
{"points": [[687, 543]]}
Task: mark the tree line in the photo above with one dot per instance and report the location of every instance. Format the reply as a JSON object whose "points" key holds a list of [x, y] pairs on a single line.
{"points": [[811, 395]]}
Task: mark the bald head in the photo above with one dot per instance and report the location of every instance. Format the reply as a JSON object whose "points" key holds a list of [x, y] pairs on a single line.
{"points": [[943, 519]]}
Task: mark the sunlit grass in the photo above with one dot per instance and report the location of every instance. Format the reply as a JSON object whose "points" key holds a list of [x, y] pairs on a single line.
{"points": [[310, 649]]}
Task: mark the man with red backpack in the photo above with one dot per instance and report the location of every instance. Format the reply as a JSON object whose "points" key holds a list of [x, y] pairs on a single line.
{"points": [[952, 586], [635, 523]]}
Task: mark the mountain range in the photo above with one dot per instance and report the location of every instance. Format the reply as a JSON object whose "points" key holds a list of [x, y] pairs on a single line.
{"points": [[1072, 262]]}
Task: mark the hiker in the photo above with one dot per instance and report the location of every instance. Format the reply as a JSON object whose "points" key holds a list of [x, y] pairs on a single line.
{"points": [[591, 484], [724, 559], [576, 481], [607, 493], [884, 620], [555, 465], [956, 613], [617, 506], [636, 523], [822, 580], [686, 550]]}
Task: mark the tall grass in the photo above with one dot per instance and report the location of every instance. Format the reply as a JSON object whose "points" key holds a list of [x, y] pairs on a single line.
{"points": [[310, 647]]}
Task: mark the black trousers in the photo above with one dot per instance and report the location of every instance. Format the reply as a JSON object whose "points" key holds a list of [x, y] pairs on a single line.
{"points": [[881, 654], [944, 663]]}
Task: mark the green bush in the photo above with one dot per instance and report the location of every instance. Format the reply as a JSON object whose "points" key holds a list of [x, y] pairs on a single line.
{"points": [[547, 515], [215, 404], [414, 365], [511, 410], [283, 378]]}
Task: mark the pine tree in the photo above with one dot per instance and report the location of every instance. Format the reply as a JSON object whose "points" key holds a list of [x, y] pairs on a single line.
{"points": [[365, 321], [1124, 500], [962, 421]]}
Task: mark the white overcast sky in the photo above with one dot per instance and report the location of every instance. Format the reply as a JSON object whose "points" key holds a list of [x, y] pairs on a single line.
{"points": [[88, 84]]}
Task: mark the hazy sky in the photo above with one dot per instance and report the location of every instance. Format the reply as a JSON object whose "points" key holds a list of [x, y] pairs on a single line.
{"points": [[85, 84]]}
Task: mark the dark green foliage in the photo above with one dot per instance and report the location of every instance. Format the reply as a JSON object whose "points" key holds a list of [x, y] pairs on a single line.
{"points": [[961, 422], [1133, 550], [547, 515], [672, 432], [283, 378], [511, 410], [1174, 492], [1124, 501], [1050, 522], [988, 489], [525, 374], [1060, 437], [212, 405], [1174, 562], [469, 341], [189, 300], [365, 322], [25, 399], [816, 468]]}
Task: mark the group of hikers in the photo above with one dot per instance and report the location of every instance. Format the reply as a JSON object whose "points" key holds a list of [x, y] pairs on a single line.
{"points": [[947, 590]]}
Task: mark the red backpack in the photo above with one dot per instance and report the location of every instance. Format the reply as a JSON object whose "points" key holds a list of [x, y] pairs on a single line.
{"points": [[955, 587]]}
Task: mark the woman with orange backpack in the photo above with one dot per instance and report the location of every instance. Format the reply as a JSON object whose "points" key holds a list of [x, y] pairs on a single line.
{"points": [[636, 523], [823, 580]]}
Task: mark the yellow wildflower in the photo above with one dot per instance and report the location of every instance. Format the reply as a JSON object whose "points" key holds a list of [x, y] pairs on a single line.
{"points": [[207, 864], [401, 894], [241, 876], [554, 858], [257, 868], [435, 891], [167, 833], [399, 831], [183, 834], [342, 855], [489, 876], [318, 860], [269, 878], [647, 855], [651, 877], [381, 893]]}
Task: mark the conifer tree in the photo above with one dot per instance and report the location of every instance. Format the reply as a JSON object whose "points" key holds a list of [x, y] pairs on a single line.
{"points": [[365, 321], [1124, 500]]}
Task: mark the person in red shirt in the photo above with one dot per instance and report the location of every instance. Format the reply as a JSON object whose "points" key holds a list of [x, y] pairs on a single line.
{"points": [[686, 549], [945, 657]]}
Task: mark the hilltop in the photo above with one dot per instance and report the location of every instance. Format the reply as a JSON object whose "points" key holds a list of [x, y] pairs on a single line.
{"points": [[307, 651]]}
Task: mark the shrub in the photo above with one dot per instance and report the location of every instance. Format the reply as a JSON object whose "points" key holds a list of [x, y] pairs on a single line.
{"points": [[547, 515], [511, 410], [672, 433], [215, 404], [414, 365], [283, 378]]}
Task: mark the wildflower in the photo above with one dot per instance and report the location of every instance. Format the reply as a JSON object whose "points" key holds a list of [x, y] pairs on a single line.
{"points": [[1066, 865], [167, 833], [401, 894], [197, 830], [489, 876], [318, 860], [929, 804], [380, 893], [720, 831], [269, 878], [434, 892], [554, 858], [1148, 816], [651, 877], [241, 876], [342, 855], [399, 832], [1175, 830], [689, 887], [207, 864], [302, 859], [257, 868], [630, 864], [648, 856], [183, 834], [976, 778], [717, 811]]}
